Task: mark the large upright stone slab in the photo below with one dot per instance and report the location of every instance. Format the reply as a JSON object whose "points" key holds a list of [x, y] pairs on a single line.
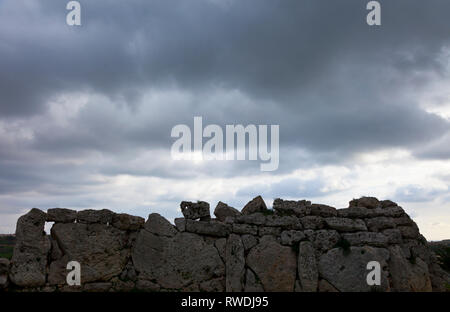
{"points": [[176, 262], [408, 274], [348, 271], [101, 250], [29, 262], [308, 273], [275, 265], [235, 263]]}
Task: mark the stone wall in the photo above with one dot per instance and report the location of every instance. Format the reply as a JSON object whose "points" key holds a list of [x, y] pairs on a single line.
{"points": [[297, 246]]}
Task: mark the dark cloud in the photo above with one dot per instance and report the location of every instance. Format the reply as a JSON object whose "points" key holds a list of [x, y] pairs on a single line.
{"points": [[334, 85]]}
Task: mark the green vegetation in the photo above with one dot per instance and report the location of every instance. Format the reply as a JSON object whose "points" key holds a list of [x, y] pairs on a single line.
{"points": [[443, 253], [7, 246]]}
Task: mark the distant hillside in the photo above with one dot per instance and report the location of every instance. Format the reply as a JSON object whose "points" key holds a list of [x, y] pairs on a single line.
{"points": [[7, 245], [442, 250]]}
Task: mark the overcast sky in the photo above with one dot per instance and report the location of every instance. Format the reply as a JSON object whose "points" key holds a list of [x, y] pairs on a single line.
{"points": [[86, 112]]}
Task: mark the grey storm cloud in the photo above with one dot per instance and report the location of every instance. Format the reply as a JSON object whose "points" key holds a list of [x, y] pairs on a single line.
{"points": [[334, 85], [314, 67]]}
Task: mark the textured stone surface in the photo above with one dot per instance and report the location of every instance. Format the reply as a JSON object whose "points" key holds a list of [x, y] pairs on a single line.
{"points": [[366, 238], [208, 228], [409, 231], [29, 262], [322, 210], [286, 222], [245, 229], [257, 204], [367, 202], [127, 222], [159, 225], [346, 224], [325, 286], [223, 211], [249, 241], [289, 207], [101, 250], [312, 222], [214, 285], [255, 218], [324, 240], [220, 245], [103, 216], [354, 212], [252, 283], [291, 237], [347, 272], [308, 273], [194, 211], [268, 230], [408, 276], [235, 263], [180, 223], [380, 223], [61, 215], [176, 262], [274, 265], [297, 247]]}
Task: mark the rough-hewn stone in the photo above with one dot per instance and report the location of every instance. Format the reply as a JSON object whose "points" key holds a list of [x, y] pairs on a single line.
{"points": [[223, 211], [312, 222], [103, 216], [245, 229], [274, 265], [297, 247], [29, 262], [298, 208], [159, 225], [380, 223], [127, 222], [367, 202], [287, 222], [322, 210], [176, 262], [408, 275], [100, 249], [366, 238], [252, 283], [346, 224], [308, 273], [212, 228], [255, 218], [194, 211], [290, 237], [348, 272], [249, 241], [257, 204], [235, 263], [61, 215]]}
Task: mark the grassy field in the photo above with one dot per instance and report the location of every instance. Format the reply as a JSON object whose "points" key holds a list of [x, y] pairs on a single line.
{"points": [[7, 246]]}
